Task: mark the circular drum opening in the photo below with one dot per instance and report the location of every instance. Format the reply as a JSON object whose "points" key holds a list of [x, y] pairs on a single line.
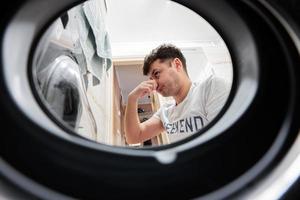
{"points": [[87, 65]]}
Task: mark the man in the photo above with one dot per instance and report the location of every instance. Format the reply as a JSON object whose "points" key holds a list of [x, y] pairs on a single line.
{"points": [[195, 104]]}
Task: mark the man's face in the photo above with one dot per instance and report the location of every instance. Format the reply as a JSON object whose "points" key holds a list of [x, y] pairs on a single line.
{"points": [[166, 77]]}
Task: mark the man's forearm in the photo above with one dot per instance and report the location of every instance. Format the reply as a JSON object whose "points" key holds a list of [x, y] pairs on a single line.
{"points": [[132, 122]]}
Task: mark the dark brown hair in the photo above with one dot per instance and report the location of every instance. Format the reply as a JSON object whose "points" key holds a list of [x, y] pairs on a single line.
{"points": [[163, 52]]}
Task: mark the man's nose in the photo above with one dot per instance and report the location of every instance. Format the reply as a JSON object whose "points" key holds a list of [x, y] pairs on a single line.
{"points": [[155, 80], [156, 84]]}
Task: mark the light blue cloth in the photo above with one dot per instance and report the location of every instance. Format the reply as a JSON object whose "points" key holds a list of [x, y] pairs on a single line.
{"points": [[93, 37], [95, 14]]}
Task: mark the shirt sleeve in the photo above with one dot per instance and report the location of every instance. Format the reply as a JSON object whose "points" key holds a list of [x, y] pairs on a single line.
{"points": [[217, 92], [157, 114]]}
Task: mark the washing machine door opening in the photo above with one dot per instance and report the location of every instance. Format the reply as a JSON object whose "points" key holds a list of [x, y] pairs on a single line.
{"points": [[86, 66]]}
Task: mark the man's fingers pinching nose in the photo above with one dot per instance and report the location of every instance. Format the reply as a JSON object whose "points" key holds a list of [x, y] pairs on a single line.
{"points": [[154, 85]]}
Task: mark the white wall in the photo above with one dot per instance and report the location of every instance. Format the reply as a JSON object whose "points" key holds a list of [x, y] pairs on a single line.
{"points": [[140, 25]]}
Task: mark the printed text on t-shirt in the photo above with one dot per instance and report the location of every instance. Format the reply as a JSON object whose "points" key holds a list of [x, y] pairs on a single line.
{"points": [[187, 125]]}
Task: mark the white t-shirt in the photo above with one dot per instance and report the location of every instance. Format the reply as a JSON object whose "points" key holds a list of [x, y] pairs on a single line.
{"points": [[202, 103]]}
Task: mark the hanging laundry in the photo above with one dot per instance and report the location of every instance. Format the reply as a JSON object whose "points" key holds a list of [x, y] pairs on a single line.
{"points": [[93, 37]]}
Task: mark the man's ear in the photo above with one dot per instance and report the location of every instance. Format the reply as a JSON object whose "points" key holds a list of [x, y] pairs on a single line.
{"points": [[178, 64]]}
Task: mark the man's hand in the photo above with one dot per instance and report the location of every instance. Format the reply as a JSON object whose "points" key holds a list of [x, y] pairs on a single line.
{"points": [[136, 131], [143, 88]]}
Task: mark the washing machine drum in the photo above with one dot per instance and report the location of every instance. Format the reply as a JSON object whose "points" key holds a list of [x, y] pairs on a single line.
{"points": [[255, 149]]}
